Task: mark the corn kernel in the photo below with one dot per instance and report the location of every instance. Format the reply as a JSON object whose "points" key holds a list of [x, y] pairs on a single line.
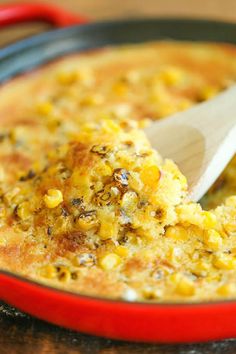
{"points": [[133, 76], [85, 76], [92, 100], [134, 181], [53, 123], [192, 214], [230, 226], [64, 274], [176, 233], [149, 293], [44, 108], [53, 198], [132, 238], [120, 88], [166, 109], [226, 289], [201, 268], [231, 201], [184, 104], [48, 271], [185, 287], [171, 76], [67, 77], [129, 201], [175, 254], [110, 261], [108, 229], [146, 254], [103, 169], [87, 220], [109, 126], [10, 196], [174, 278], [224, 261], [109, 225], [209, 219], [23, 211], [213, 240], [208, 92], [122, 251], [159, 95], [82, 182], [150, 176]]}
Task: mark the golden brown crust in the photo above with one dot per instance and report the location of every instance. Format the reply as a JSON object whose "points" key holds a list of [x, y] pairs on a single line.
{"points": [[86, 204]]}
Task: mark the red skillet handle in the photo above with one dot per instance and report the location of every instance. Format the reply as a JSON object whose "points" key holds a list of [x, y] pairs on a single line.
{"points": [[15, 13]]}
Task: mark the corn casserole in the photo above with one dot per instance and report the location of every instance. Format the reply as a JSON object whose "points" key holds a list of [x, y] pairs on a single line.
{"points": [[86, 204]]}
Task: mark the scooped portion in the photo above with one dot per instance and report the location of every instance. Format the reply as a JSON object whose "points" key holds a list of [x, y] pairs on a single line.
{"points": [[86, 204], [105, 182], [106, 186]]}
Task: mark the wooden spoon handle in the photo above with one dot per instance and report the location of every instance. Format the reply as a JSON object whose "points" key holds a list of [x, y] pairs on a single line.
{"points": [[215, 117]]}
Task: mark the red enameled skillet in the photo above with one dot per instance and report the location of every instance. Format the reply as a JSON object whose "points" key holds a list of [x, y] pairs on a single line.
{"points": [[114, 319]]}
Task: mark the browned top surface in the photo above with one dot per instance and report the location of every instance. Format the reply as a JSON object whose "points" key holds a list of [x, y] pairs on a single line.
{"points": [[32, 135]]}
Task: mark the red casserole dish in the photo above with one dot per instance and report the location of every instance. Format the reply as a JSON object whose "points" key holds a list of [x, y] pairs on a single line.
{"points": [[114, 319]]}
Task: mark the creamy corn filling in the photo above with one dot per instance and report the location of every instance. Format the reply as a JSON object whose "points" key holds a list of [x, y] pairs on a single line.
{"points": [[86, 204]]}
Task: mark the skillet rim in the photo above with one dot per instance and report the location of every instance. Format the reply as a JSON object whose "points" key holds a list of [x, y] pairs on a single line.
{"points": [[46, 37], [209, 29]]}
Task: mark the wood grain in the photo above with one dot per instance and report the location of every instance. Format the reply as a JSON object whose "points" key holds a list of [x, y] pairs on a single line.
{"points": [[21, 333]]}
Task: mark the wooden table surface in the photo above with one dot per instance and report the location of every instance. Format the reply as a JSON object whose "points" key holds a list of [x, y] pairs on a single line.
{"points": [[20, 333]]}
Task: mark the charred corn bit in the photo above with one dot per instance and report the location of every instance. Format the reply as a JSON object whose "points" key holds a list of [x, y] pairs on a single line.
{"points": [[87, 220], [85, 259], [64, 274]]}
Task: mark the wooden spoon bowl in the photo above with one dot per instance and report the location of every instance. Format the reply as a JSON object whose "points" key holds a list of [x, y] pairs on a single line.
{"points": [[201, 140]]}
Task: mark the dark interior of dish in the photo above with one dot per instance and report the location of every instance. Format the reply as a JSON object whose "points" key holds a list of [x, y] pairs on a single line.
{"points": [[32, 52]]}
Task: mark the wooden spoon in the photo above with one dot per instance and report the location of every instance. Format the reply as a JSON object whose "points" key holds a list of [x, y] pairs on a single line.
{"points": [[201, 140]]}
